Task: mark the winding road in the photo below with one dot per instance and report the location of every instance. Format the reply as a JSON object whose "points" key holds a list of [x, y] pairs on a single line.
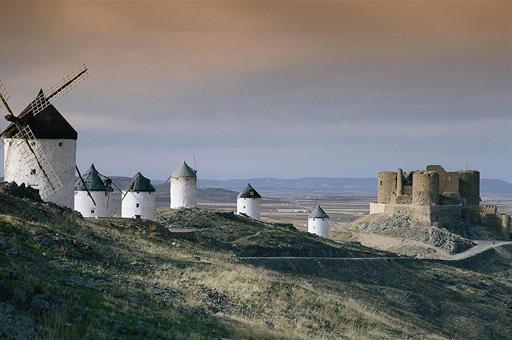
{"points": [[480, 247]]}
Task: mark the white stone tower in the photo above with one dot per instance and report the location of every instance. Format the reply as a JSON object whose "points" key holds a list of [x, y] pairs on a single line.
{"points": [[184, 187], [248, 202], [100, 188], [58, 142], [318, 222], [139, 199]]}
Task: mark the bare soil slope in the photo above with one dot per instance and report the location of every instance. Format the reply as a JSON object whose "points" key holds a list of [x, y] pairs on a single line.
{"points": [[401, 235]]}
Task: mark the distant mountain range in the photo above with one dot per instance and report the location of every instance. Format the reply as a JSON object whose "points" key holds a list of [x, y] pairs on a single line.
{"points": [[495, 186], [333, 185], [312, 185]]}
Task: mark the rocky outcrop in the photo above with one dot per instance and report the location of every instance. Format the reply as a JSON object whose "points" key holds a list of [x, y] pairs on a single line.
{"points": [[21, 191], [404, 228]]}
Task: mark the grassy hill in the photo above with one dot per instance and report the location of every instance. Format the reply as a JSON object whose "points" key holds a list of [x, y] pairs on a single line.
{"points": [[65, 277]]}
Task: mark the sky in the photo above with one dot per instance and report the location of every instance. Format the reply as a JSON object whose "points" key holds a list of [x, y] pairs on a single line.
{"points": [[272, 89]]}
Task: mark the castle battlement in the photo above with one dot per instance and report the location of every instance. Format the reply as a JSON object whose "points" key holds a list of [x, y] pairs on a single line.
{"points": [[437, 196]]}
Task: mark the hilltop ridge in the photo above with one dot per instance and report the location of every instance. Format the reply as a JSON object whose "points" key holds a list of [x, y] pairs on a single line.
{"points": [[187, 276]]}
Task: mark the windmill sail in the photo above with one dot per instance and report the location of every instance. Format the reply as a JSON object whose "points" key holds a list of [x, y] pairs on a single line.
{"points": [[33, 156], [25, 159], [67, 84], [4, 97]]}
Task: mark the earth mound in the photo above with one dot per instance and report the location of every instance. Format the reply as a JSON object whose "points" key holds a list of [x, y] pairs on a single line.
{"points": [[403, 235], [247, 237]]}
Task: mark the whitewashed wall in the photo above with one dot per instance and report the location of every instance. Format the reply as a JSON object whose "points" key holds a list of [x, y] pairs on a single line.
{"points": [[319, 226], [183, 192], [249, 206], [145, 200], [85, 206], [61, 154]]}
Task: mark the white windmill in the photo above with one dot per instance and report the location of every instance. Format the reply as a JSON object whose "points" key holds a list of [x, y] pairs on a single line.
{"points": [[318, 222], [40, 145], [138, 199], [92, 194], [248, 202], [184, 187]]}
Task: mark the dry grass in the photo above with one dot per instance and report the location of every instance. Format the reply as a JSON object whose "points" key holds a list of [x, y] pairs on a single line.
{"points": [[119, 278]]}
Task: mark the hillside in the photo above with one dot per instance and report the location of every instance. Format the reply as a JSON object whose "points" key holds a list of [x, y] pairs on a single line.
{"points": [[65, 277], [403, 235]]}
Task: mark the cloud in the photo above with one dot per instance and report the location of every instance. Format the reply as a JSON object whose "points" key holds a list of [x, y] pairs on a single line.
{"points": [[359, 83]]}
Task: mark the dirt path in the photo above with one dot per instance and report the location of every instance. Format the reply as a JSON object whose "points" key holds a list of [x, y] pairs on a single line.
{"points": [[384, 258], [480, 247]]}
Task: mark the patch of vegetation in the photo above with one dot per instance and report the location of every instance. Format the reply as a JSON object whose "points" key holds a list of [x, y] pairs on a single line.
{"points": [[65, 277]]}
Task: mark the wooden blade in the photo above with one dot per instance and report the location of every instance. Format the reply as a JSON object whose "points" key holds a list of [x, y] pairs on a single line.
{"points": [[68, 82], [33, 153], [4, 97]]}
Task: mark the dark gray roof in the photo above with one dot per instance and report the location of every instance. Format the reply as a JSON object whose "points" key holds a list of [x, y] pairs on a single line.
{"points": [[140, 183], [47, 124], [184, 171], [318, 212], [249, 192], [94, 181]]}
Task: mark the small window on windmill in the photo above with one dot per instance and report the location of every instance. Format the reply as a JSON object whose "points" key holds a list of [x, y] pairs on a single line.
{"points": [[137, 205], [137, 217], [32, 171], [60, 143], [92, 211], [32, 143]]}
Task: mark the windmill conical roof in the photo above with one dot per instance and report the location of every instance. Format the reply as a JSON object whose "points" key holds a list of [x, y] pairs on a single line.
{"points": [[318, 212], [249, 192], [184, 171], [47, 124], [140, 183], [93, 181]]}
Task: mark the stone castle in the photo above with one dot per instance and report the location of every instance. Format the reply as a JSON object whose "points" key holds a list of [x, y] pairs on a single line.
{"points": [[438, 197]]}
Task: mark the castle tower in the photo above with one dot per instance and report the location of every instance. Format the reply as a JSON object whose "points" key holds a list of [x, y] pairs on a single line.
{"points": [[425, 188], [184, 187], [386, 187], [139, 199], [469, 186], [399, 182], [58, 141], [318, 222], [248, 202], [100, 189]]}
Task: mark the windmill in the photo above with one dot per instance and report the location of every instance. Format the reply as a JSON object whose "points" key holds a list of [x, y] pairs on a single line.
{"points": [[92, 194], [34, 142], [183, 187]]}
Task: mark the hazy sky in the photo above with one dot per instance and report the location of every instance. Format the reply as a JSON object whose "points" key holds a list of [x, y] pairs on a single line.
{"points": [[268, 89]]}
